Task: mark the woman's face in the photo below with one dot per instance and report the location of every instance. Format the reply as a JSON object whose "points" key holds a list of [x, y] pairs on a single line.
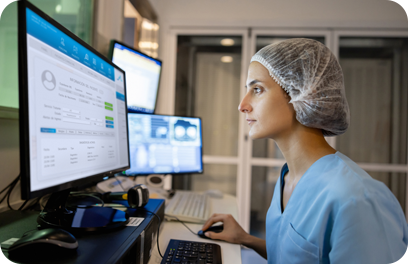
{"points": [[266, 105]]}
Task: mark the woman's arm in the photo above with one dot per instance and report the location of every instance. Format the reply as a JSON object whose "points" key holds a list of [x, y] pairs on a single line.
{"points": [[234, 233]]}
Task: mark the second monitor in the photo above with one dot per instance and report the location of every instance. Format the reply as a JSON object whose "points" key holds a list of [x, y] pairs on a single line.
{"points": [[142, 76], [164, 144]]}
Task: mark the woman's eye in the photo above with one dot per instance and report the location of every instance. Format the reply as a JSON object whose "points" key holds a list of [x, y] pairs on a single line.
{"points": [[257, 90]]}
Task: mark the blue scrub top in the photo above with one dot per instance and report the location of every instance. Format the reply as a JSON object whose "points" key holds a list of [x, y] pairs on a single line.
{"points": [[337, 213]]}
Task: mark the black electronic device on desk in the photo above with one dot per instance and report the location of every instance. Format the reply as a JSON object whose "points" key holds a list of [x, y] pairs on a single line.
{"points": [[131, 243], [73, 121], [181, 251]]}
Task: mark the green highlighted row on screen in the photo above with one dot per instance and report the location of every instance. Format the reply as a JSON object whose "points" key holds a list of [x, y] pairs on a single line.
{"points": [[108, 106]]}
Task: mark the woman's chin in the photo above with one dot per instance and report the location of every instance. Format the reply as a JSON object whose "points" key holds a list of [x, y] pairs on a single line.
{"points": [[254, 135]]}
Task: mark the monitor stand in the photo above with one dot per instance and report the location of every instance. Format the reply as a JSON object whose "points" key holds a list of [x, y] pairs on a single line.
{"points": [[81, 218]]}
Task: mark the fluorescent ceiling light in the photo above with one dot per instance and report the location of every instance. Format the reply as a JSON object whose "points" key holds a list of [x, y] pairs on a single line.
{"points": [[227, 42], [227, 59]]}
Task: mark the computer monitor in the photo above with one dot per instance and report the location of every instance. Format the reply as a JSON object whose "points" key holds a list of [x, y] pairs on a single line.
{"points": [[142, 76], [162, 144], [73, 117]]}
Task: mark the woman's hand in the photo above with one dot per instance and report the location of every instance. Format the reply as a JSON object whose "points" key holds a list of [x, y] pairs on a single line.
{"points": [[232, 232]]}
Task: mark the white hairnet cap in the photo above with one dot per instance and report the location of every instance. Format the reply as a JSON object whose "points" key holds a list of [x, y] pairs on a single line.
{"points": [[311, 75]]}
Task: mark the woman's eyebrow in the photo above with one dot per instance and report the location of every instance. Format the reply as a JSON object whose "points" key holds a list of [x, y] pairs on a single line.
{"points": [[252, 83]]}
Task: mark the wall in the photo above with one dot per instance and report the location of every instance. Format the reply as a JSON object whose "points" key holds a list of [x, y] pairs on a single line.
{"points": [[108, 24], [368, 14], [9, 158], [281, 13]]}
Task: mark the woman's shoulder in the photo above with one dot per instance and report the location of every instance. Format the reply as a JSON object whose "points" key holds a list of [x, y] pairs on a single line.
{"points": [[344, 180]]}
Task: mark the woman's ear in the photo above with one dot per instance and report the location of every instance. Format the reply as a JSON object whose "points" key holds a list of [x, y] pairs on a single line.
{"points": [[287, 96]]}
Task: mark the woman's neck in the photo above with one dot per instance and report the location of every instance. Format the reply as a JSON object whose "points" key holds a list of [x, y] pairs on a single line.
{"points": [[301, 149]]}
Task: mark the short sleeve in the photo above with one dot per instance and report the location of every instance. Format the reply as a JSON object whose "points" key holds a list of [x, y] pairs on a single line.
{"points": [[368, 231]]}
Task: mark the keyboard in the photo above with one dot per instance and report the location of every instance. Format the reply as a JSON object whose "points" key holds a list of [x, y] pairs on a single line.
{"points": [[189, 206], [186, 252]]}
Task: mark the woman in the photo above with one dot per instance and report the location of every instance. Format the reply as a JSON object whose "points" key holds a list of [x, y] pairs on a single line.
{"points": [[325, 209]]}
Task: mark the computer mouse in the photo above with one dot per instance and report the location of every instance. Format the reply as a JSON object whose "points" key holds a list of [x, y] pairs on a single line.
{"points": [[214, 228], [44, 241]]}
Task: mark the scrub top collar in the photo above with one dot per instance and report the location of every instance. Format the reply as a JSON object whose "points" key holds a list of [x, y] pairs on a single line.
{"points": [[285, 169]]}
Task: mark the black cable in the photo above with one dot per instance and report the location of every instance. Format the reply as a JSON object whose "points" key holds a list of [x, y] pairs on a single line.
{"points": [[33, 204], [21, 207], [116, 177], [11, 185], [182, 223], [10, 190], [158, 230], [89, 195], [16, 179]]}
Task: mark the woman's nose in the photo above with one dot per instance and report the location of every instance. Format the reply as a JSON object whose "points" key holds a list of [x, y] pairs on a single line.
{"points": [[245, 106]]}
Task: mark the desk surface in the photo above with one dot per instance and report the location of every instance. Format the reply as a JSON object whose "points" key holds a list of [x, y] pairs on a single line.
{"points": [[231, 253]]}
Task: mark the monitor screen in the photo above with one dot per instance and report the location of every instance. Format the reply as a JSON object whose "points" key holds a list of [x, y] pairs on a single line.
{"points": [[164, 144], [73, 113], [142, 77]]}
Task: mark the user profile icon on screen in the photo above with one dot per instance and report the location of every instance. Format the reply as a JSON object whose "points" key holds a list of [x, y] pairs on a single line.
{"points": [[48, 80]]}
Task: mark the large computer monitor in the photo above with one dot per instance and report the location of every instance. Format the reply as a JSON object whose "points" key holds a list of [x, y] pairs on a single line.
{"points": [[73, 117], [162, 144], [142, 76]]}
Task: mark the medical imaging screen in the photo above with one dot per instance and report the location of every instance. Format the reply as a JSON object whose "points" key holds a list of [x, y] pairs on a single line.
{"points": [[164, 144]]}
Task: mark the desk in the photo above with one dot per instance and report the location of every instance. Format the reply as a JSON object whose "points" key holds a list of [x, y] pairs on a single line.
{"points": [[231, 253]]}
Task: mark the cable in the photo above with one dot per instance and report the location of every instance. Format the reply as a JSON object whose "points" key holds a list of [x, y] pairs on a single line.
{"points": [[21, 207], [116, 177], [14, 183], [32, 205], [158, 230], [11, 185], [89, 195], [16, 179], [182, 223]]}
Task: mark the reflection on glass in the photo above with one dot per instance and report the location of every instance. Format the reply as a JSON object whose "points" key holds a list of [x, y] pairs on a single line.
{"points": [[76, 15], [376, 82], [262, 187], [208, 86], [267, 148], [216, 176]]}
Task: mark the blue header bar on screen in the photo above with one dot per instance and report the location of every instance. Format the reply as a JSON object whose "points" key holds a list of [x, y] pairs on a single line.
{"points": [[121, 47], [52, 36]]}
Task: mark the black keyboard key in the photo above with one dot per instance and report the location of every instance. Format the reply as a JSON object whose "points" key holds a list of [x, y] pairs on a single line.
{"points": [[187, 252]]}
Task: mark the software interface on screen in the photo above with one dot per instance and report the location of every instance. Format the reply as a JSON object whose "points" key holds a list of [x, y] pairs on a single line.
{"points": [[142, 78], [77, 110], [164, 144]]}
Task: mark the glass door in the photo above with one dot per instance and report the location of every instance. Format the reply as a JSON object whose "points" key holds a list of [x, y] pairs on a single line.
{"points": [[209, 69], [375, 66]]}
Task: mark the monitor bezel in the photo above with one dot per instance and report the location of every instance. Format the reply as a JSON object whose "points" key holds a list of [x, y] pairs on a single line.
{"points": [[110, 56], [173, 173], [26, 192]]}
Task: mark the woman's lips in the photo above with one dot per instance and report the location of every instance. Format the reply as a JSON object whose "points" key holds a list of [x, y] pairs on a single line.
{"points": [[250, 121]]}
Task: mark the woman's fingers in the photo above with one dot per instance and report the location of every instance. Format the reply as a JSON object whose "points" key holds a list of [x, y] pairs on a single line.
{"points": [[212, 220]]}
